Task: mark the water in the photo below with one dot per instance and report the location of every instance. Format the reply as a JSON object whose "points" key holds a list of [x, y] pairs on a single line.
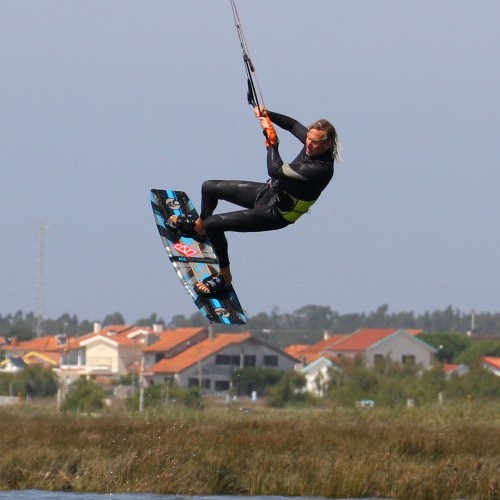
{"points": [[56, 495]]}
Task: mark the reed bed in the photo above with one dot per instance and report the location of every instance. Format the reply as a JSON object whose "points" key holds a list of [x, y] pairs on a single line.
{"points": [[406, 454]]}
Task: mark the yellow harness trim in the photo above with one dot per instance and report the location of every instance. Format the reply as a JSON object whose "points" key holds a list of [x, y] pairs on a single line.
{"points": [[300, 207]]}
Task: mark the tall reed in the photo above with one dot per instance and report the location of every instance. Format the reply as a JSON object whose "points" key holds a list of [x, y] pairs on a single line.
{"points": [[407, 454]]}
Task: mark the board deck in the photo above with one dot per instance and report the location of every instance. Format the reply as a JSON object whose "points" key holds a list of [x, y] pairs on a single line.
{"points": [[193, 260]]}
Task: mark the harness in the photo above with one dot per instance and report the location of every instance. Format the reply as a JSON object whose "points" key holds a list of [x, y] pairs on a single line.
{"points": [[299, 208]]}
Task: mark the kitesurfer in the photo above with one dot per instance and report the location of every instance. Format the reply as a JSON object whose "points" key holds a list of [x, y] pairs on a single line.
{"points": [[289, 193]]}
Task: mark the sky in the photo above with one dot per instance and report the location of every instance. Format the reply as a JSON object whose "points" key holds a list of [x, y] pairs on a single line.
{"points": [[104, 100]]}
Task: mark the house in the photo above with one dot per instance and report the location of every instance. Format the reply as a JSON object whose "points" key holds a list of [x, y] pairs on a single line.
{"points": [[118, 350], [173, 342], [373, 343], [317, 375], [307, 353], [376, 344], [49, 345], [210, 363], [454, 370], [492, 364], [110, 352], [12, 364]]}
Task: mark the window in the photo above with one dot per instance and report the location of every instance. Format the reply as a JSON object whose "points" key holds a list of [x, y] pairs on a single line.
{"points": [[221, 385], [408, 360], [194, 382], [249, 361], [270, 360], [222, 359]]}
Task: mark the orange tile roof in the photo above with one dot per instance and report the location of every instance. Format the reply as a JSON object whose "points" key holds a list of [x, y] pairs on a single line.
{"points": [[311, 352], [493, 361], [171, 338], [198, 352], [294, 350], [41, 344], [362, 339]]}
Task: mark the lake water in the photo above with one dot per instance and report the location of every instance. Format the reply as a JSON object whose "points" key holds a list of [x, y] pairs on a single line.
{"points": [[55, 495]]}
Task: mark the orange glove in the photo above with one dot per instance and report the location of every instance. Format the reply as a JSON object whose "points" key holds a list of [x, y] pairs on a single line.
{"points": [[270, 133]]}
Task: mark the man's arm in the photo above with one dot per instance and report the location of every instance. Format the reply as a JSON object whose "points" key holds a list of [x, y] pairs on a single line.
{"points": [[290, 125]]}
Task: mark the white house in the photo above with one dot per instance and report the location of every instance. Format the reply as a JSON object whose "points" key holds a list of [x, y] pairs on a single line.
{"points": [[492, 364], [317, 375]]}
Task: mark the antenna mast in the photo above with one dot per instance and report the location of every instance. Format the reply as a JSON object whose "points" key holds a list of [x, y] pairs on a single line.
{"points": [[40, 281]]}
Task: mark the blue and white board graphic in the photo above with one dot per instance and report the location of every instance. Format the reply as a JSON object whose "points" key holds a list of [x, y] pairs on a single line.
{"points": [[193, 261]]}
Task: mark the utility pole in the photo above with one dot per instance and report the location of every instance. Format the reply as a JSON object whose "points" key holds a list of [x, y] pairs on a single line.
{"points": [[40, 281]]}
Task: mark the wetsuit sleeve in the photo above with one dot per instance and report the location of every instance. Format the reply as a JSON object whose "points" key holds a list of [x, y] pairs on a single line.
{"points": [[278, 169], [290, 125]]}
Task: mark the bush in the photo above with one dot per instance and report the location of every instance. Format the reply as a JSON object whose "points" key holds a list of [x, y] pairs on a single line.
{"points": [[85, 396], [159, 395], [479, 383], [32, 381]]}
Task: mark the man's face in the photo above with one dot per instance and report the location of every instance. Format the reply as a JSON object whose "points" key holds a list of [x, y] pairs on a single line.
{"points": [[316, 143]]}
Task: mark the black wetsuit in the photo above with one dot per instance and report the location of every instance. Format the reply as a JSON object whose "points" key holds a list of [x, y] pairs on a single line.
{"points": [[290, 191]]}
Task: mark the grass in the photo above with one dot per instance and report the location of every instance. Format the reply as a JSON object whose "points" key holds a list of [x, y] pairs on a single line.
{"points": [[419, 453]]}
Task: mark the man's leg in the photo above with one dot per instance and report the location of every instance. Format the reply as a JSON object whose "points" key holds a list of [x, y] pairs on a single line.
{"points": [[251, 220]]}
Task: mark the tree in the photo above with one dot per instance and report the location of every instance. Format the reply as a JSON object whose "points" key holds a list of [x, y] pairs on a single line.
{"points": [[113, 319], [448, 344], [288, 390], [247, 380], [477, 349], [33, 381]]}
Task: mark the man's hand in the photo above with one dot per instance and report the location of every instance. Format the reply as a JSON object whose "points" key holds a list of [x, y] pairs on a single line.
{"points": [[267, 126], [260, 111]]}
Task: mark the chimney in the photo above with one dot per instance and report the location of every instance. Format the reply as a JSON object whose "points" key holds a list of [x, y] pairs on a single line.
{"points": [[97, 326], [326, 334], [157, 327]]}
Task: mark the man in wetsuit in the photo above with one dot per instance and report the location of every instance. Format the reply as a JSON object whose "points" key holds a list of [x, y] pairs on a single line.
{"points": [[288, 194]]}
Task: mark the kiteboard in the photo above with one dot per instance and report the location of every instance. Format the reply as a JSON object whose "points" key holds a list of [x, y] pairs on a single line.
{"points": [[193, 260]]}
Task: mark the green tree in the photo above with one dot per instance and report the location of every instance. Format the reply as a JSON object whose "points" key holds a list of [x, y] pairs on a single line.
{"points": [[289, 389], [448, 344], [35, 381], [251, 379], [84, 396], [114, 319], [477, 349]]}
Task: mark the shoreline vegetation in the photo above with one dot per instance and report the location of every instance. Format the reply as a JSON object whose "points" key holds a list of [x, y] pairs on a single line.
{"points": [[428, 452]]}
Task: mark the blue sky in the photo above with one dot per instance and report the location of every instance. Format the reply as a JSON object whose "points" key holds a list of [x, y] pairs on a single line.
{"points": [[102, 101]]}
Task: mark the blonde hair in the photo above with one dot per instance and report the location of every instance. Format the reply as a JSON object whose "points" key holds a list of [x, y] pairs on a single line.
{"points": [[331, 137]]}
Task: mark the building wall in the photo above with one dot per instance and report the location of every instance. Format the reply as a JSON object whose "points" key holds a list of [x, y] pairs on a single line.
{"points": [[216, 370], [317, 377], [401, 348], [101, 357]]}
